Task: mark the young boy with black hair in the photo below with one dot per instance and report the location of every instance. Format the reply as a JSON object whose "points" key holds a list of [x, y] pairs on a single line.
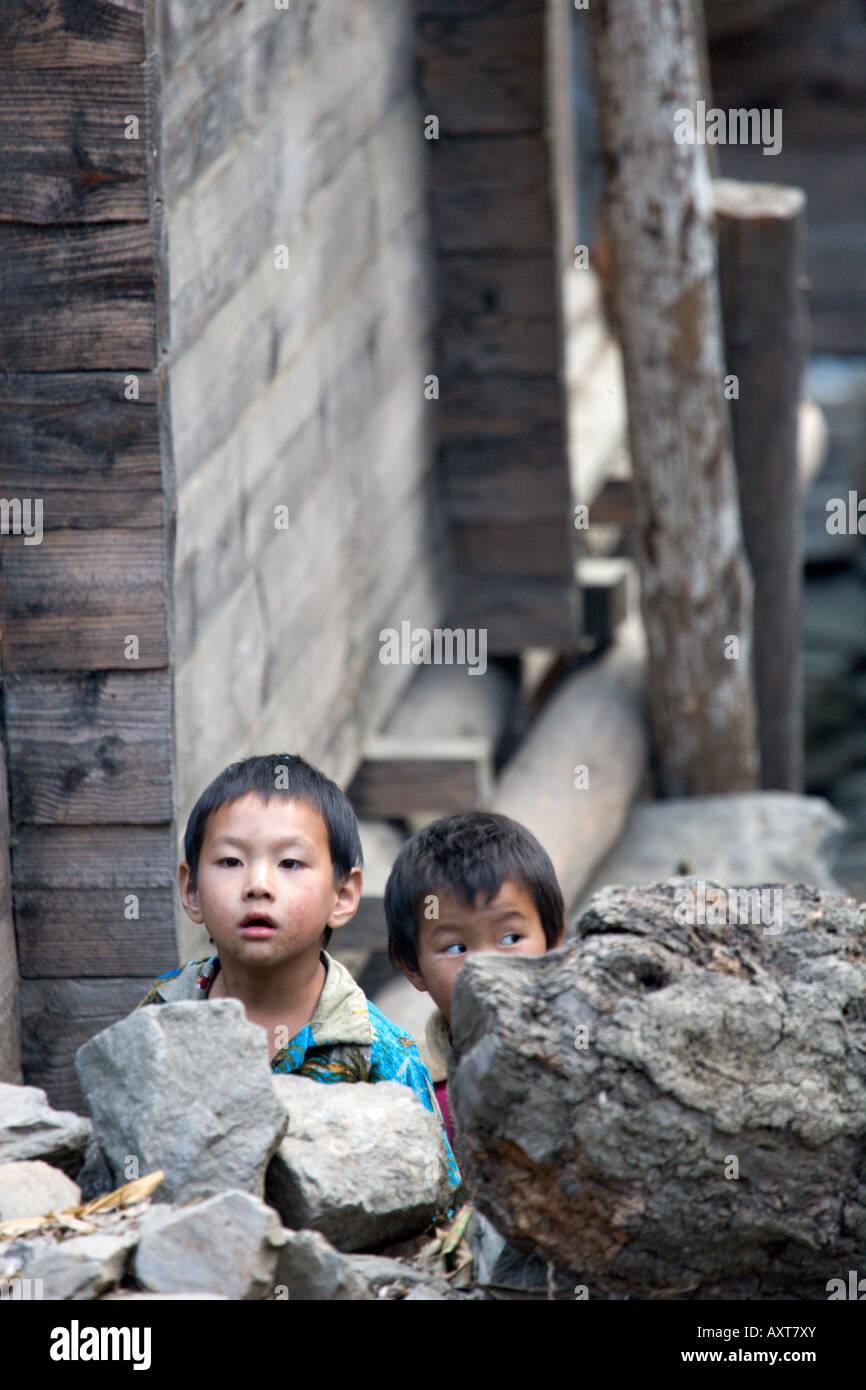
{"points": [[471, 882], [272, 865]]}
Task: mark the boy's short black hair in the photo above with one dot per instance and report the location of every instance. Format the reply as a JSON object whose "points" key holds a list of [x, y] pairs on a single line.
{"points": [[466, 854], [289, 776]]}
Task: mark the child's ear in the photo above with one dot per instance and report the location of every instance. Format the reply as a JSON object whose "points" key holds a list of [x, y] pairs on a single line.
{"points": [[189, 894], [348, 898], [413, 977]]}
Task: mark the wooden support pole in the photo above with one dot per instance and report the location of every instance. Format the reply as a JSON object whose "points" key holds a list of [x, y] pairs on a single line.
{"points": [[696, 590], [761, 270], [10, 1020]]}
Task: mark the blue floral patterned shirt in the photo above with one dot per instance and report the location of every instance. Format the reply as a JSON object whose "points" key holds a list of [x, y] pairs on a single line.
{"points": [[347, 1038]]}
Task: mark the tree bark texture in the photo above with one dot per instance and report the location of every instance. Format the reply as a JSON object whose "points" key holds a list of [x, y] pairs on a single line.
{"points": [[696, 589], [674, 1106]]}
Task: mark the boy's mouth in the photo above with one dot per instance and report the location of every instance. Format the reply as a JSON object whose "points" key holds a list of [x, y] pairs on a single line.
{"points": [[258, 924]]}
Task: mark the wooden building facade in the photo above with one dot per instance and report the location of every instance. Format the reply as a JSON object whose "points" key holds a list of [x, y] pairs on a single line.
{"points": [[231, 267]]}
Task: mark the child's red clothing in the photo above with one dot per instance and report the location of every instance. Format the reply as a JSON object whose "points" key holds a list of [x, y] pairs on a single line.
{"points": [[437, 1044], [441, 1090]]}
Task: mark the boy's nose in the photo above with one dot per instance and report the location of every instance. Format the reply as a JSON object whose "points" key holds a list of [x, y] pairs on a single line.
{"points": [[260, 882]]}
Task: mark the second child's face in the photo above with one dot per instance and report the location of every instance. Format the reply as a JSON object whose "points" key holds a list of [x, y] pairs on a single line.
{"points": [[271, 861], [509, 924]]}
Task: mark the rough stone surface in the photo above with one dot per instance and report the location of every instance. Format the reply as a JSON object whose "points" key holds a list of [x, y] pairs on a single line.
{"points": [[311, 1269], [499, 1264], [362, 1164], [749, 837], [185, 1087], [136, 1296], [33, 1188], [704, 1136], [94, 1177], [29, 1128], [80, 1267], [394, 1280], [228, 1244]]}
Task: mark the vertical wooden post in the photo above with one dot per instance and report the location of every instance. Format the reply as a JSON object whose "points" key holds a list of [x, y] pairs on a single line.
{"points": [[761, 264], [10, 1018], [696, 590]]}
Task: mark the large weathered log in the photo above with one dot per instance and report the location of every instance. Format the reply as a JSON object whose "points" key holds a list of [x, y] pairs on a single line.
{"points": [[674, 1109], [696, 588], [761, 269]]}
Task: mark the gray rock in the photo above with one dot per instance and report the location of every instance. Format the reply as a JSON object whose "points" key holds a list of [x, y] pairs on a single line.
{"points": [[228, 1244], [309, 1268], [499, 1264], [185, 1087], [79, 1267], [94, 1177], [29, 1128], [394, 1280], [363, 1164], [673, 1108], [742, 838], [136, 1296], [33, 1188]]}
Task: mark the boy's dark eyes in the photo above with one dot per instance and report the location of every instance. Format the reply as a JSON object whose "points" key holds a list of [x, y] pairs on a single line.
{"points": [[510, 938], [232, 859]]}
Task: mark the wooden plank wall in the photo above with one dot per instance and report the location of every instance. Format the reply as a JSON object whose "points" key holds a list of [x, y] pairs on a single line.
{"points": [[301, 388], [504, 453], [87, 720], [810, 63]]}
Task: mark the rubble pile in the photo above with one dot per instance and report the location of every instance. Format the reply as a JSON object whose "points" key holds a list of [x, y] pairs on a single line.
{"points": [[672, 1105], [241, 1184]]}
